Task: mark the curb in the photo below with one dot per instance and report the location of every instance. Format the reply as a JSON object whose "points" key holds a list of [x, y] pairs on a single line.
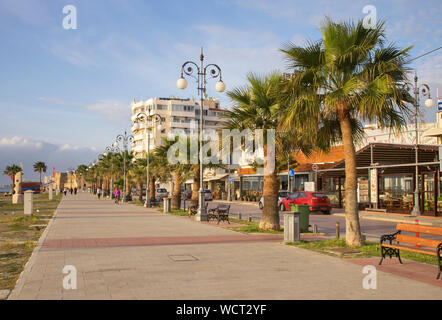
{"points": [[390, 219], [28, 266]]}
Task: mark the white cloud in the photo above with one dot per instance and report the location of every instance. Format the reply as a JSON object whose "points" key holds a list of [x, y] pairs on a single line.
{"points": [[18, 149]]}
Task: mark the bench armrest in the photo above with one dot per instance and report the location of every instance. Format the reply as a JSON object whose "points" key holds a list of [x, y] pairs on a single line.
{"points": [[389, 237]]}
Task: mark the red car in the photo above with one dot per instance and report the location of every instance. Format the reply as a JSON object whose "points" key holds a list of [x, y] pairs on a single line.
{"points": [[316, 200]]}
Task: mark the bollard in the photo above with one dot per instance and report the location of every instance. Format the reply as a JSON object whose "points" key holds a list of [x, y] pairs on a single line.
{"points": [[50, 193], [250, 218], [315, 228], [292, 230], [29, 202], [57, 191], [337, 229], [239, 216]]}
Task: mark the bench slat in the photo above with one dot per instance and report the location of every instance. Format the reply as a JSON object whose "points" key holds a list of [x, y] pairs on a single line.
{"points": [[408, 248], [421, 229], [419, 241]]}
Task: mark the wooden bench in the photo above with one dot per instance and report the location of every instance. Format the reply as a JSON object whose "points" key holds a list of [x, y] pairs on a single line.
{"points": [[220, 213], [391, 244]]}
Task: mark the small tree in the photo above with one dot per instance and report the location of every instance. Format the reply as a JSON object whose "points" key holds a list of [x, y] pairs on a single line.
{"points": [[40, 167]]}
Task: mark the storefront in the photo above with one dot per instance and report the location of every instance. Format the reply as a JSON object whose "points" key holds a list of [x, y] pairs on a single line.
{"points": [[387, 179]]}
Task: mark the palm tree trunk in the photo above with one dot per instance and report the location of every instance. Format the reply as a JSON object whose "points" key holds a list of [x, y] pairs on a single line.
{"points": [[152, 187], [176, 196], [196, 186], [141, 191], [40, 176], [353, 228], [270, 214]]}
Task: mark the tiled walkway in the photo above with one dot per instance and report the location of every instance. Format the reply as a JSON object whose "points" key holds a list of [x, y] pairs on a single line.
{"points": [[128, 252]]}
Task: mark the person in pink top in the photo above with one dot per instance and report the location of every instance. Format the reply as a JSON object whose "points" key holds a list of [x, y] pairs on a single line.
{"points": [[117, 195]]}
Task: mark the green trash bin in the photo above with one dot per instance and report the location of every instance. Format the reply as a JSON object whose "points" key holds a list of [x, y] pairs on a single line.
{"points": [[304, 211]]}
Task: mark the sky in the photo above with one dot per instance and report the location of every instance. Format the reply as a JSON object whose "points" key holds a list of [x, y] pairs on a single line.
{"points": [[65, 93]]}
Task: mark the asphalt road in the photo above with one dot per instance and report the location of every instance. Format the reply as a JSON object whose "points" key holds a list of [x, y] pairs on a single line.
{"points": [[326, 223]]}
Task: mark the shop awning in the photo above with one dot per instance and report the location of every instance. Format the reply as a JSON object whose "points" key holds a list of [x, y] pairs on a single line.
{"points": [[392, 158], [216, 177]]}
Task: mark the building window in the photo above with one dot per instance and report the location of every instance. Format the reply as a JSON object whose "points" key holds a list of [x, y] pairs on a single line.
{"points": [[162, 107], [182, 108]]}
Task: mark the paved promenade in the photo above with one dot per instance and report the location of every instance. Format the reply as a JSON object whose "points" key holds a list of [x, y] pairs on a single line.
{"points": [[128, 252]]}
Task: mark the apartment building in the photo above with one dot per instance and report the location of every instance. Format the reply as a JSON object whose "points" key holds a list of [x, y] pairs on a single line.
{"points": [[173, 113]]}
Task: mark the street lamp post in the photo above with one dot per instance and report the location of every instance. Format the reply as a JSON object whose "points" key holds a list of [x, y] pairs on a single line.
{"points": [[214, 71], [425, 91], [112, 149], [146, 118], [124, 139]]}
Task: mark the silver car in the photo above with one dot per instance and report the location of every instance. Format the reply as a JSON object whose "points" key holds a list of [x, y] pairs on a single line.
{"points": [[281, 195], [161, 193]]}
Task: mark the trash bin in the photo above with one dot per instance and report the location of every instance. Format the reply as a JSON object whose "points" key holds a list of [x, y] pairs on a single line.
{"points": [[304, 211], [166, 205], [291, 227]]}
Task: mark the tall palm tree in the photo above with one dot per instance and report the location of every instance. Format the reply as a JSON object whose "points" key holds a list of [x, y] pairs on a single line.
{"points": [[11, 171], [256, 106], [348, 77], [40, 167]]}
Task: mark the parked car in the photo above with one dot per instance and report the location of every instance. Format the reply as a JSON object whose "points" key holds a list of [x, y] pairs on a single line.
{"points": [[161, 193], [208, 196], [186, 194], [316, 200], [281, 195]]}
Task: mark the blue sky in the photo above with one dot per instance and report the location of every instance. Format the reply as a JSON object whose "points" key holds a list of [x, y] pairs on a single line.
{"points": [[65, 94]]}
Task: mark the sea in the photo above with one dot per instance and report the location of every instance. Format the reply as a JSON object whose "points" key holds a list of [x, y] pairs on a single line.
{"points": [[2, 190]]}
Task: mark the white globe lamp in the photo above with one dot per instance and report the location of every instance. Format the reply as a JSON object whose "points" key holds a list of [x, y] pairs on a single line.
{"points": [[220, 86], [181, 83], [429, 103]]}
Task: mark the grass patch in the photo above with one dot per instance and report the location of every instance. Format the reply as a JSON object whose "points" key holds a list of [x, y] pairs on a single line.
{"points": [[369, 249], [179, 212], [252, 227], [17, 240]]}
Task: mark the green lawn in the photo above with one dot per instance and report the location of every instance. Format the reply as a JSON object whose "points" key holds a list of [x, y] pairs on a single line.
{"points": [[369, 249], [17, 240]]}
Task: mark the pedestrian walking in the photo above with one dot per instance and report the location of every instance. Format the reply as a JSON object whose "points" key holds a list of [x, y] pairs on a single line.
{"points": [[98, 193], [65, 191], [71, 190], [117, 195], [75, 191]]}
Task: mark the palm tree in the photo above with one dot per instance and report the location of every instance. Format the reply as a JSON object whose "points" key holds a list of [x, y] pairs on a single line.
{"points": [[40, 167], [138, 174], [11, 171], [348, 77], [179, 171], [256, 106]]}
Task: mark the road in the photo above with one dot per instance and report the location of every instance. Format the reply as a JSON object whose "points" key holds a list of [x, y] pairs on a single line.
{"points": [[325, 223]]}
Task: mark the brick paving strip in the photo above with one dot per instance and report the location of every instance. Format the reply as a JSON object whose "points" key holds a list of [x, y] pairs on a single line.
{"points": [[153, 241], [409, 269]]}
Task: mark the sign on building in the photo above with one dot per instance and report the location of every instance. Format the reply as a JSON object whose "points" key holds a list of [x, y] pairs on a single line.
{"points": [[309, 186], [374, 185]]}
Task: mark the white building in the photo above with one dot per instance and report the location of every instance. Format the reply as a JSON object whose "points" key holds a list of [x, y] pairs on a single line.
{"points": [[175, 113]]}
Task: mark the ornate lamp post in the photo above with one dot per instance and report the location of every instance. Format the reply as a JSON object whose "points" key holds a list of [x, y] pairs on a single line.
{"points": [[423, 89], [214, 71], [124, 139], [111, 149], [148, 119]]}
